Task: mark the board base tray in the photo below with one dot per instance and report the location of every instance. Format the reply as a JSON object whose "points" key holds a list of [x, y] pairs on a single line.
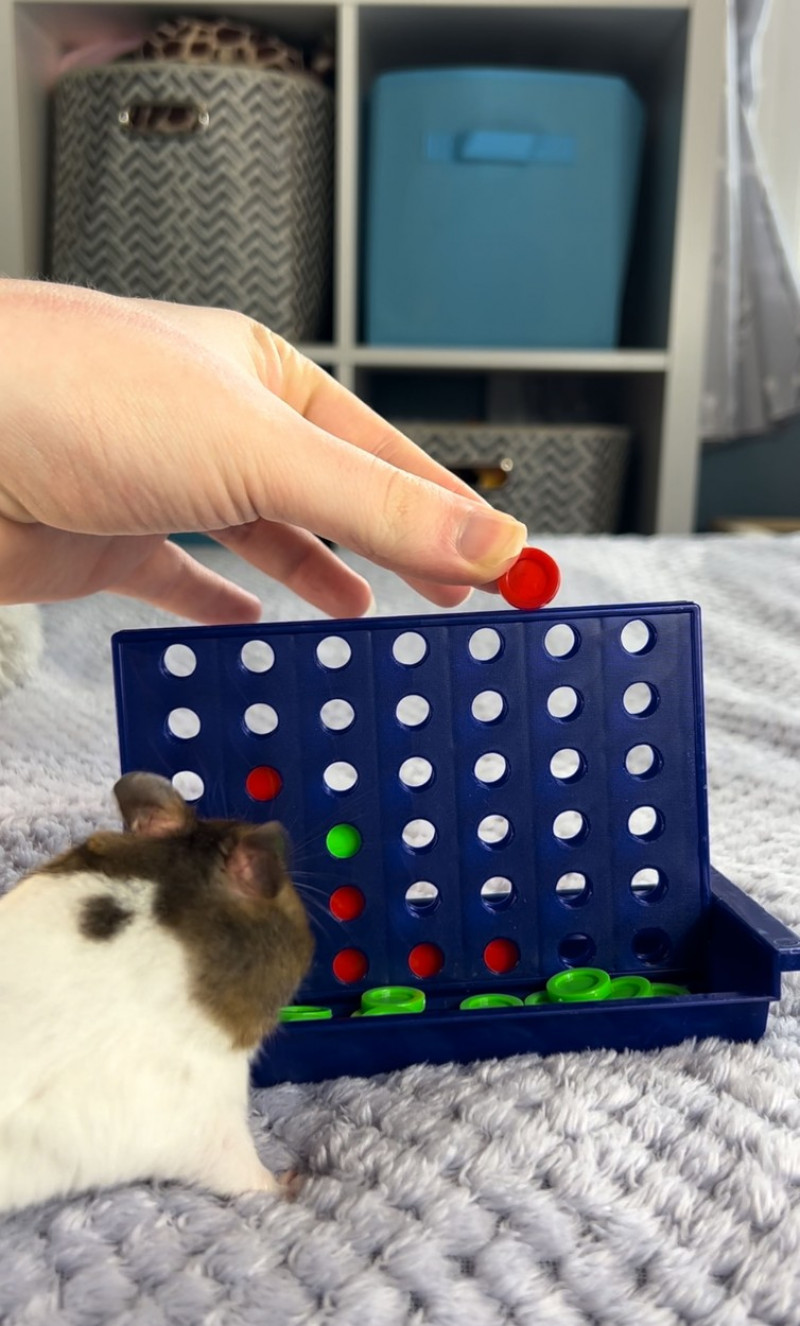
{"points": [[747, 952]]}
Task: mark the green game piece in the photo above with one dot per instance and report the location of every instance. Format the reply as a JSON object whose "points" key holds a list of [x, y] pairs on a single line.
{"points": [[630, 987], [343, 841], [578, 984], [491, 1001], [392, 999], [659, 989], [304, 1013], [538, 997]]}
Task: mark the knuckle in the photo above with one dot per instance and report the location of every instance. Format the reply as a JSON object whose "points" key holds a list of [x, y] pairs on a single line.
{"points": [[410, 514]]}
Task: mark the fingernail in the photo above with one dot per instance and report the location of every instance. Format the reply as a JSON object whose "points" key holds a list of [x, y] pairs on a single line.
{"points": [[490, 538], [371, 609]]}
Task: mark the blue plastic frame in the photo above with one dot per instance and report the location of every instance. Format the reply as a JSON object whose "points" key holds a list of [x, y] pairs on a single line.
{"points": [[730, 952]]}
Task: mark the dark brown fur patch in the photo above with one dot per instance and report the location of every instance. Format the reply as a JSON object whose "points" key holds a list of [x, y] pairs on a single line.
{"points": [[247, 956], [102, 918]]}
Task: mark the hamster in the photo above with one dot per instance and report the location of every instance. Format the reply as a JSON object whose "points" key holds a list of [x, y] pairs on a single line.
{"points": [[139, 972]]}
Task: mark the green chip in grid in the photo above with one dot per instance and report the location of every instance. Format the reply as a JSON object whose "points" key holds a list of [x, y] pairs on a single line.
{"points": [[660, 989], [538, 997], [343, 841]]}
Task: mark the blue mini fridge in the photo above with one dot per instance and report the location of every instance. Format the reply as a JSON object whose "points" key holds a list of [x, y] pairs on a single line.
{"points": [[500, 207]]}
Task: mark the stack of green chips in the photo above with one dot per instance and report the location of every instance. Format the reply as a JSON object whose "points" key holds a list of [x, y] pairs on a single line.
{"points": [[577, 985], [388, 999]]}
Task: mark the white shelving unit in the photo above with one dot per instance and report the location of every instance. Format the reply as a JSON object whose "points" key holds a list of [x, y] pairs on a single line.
{"points": [[672, 51]]}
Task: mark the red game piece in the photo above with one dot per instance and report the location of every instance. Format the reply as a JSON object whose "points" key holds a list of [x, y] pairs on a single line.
{"points": [[350, 965], [263, 783], [347, 903], [532, 581], [501, 955], [426, 960]]}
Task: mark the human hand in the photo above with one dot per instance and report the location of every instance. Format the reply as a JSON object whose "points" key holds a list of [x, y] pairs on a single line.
{"points": [[123, 421]]}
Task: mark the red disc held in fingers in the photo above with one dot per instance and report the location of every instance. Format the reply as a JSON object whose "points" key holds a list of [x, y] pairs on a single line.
{"points": [[532, 581], [263, 783]]}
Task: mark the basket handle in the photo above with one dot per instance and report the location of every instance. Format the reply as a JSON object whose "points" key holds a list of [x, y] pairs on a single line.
{"points": [[485, 476], [164, 119], [481, 147]]}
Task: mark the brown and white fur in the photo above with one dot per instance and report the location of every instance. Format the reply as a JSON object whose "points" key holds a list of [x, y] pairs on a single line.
{"points": [[138, 973]]}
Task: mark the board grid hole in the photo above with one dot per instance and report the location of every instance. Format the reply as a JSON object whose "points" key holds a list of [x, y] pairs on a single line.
{"points": [[337, 715], [416, 772], [494, 830], [567, 765], [497, 893], [413, 711], [646, 823], [637, 637], [577, 949], [573, 889], [485, 644], [179, 660], [260, 719], [491, 768], [410, 649], [419, 835], [648, 885], [640, 699], [340, 776], [189, 784], [488, 707], [257, 656], [570, 826], [643, 761], [333, 653], [422, 898], [561, 641], [183, 723], [651, 946], [564, 703]]}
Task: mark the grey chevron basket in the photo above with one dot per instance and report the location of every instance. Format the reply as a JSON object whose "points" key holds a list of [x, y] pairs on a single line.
{"points": [[205, 185], [559, 479]]}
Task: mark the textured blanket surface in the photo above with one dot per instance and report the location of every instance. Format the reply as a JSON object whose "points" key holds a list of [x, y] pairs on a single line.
{"points": [[601, 1189]]}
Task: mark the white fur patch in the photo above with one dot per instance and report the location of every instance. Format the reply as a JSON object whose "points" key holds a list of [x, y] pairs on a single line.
{"points": [[101, 1049], [20, 644]]}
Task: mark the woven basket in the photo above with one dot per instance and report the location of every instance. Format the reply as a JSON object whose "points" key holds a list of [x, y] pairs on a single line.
{"points": [[234, 210], [558, 479]]}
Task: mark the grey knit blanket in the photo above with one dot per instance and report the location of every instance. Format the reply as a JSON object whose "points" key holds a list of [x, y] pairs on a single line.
{"points": [[601, 1189]]}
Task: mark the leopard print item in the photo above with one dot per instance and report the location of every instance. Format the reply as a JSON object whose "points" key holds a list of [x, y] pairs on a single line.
{"points": [[219, 41], [197, 41]]}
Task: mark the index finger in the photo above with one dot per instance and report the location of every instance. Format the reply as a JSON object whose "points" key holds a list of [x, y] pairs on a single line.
{"points": [[322, 400]]}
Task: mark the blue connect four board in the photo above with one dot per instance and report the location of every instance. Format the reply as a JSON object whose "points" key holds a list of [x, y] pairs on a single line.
{"points": [[525, 791]]}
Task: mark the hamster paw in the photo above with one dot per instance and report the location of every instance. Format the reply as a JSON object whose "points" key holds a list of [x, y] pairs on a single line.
{"points": [[291, 1184]]}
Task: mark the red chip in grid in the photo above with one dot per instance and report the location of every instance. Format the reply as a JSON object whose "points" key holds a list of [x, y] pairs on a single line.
{"points": [[501, 955], [263, 783], [532, 581], [350, 965], [347, 903], [426, 960]]}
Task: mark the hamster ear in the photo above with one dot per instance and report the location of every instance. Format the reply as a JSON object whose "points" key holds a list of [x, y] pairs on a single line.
{"points": [[151, 806], [258, 864]]}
